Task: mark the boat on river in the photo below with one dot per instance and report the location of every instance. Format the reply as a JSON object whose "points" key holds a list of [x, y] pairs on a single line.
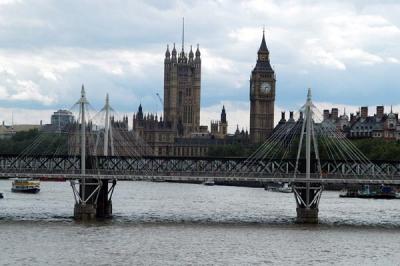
{"points": [[25, 185], [52, 179], [367, 192], [280, 187], [209, 183], [1, 195]]}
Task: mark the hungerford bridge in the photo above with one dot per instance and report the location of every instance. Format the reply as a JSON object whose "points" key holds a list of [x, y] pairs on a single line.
{"points": [[291, 154]]}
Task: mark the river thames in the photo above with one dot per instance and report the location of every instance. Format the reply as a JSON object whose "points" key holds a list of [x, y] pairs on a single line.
{"points": [[187, 224]]}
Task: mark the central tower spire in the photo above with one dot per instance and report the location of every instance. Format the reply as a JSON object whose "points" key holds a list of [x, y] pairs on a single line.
{"points": [[263, 46]]}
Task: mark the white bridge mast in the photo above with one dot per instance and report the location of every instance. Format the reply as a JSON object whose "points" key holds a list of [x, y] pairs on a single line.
{"points": [[82, 103], [107, 125], [108, 134], [307, 195]]}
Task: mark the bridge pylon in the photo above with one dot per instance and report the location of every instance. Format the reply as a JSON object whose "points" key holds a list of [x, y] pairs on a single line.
{"points": [[308, 194], [92, 195], [85, 191], [104, 203]]}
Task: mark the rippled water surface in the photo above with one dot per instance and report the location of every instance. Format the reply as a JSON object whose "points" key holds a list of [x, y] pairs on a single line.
{"points": [[174, 224]]}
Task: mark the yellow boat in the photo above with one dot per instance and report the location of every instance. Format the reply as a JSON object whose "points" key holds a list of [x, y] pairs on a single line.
{"points": [[25, 185]]}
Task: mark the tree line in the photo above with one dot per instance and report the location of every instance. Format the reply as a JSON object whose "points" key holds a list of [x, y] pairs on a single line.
{"points": [[34, 142], [37, 142], [373, 149]]}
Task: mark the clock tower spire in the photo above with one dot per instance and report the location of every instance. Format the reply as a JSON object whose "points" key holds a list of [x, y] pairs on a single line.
{"points": [[262, 96], [263, 47]]}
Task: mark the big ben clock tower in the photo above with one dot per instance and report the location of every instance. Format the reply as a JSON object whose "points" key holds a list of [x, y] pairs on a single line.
{"points": [[262, 96]]}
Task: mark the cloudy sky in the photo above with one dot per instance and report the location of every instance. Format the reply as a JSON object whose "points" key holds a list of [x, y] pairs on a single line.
{"points": [[347, 51]]}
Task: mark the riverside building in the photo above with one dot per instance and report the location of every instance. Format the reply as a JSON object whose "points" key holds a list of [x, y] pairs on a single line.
{"points": [[362, 125]]}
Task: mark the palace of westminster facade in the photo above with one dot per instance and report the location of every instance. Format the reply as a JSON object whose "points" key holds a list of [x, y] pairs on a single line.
{"points": [[179, 132]]}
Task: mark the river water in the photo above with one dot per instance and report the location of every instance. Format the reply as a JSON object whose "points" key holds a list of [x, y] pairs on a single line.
{"points": [[187, 224]]}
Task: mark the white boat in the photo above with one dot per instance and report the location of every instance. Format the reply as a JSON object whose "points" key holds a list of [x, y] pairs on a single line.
{"points": [[283, 188], [209, 183]]}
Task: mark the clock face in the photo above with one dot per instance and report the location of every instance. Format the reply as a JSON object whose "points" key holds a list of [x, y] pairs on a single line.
{"points": [[265, 87]]}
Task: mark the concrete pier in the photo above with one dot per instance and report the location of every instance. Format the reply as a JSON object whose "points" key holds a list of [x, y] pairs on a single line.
{"points": [[104, 204], [86, 208], [84, 212], [307, 215], [307, 201], [95, 202]]}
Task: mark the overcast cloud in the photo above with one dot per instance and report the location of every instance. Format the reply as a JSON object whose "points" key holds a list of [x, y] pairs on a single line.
{"points": [[347, 51]]}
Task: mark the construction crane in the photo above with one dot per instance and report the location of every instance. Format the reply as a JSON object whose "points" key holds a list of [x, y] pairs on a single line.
{"points": [[159, 98]]}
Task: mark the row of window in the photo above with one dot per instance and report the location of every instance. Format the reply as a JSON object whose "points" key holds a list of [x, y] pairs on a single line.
{"points": [[182, 151], [266, 75], [363, 127], [158, 137], [188, 114], [361, 134], [375, 134], [188, 93], [370, 127]]}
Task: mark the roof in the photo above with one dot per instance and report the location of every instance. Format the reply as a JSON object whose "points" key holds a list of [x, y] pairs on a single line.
{"points": [[17, 128], [263, 46], [263, 65]]}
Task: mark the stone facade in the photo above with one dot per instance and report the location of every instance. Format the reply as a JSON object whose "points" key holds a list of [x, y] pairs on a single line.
{"points": [[182, 86], [262, 96], [179, 132], [219, 129], [125, 141], [157, 133], [164, 139], [362, 125]]}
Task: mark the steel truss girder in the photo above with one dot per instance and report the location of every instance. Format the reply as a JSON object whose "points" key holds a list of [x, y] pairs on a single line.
{"points": [[202, 166]]}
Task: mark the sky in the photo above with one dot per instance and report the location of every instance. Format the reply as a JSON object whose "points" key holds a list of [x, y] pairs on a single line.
{"points": [[348, 52]]}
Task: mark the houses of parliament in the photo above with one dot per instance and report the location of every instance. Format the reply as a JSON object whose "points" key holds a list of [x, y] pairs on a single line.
{"points": [[179, 132]]}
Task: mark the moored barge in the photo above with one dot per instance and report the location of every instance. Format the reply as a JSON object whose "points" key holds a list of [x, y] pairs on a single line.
{"points": [[382, 192]]}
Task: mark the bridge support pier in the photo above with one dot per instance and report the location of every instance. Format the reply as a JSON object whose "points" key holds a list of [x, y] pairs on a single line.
{"points": [[86, 192], [84, 212], [92, 198], [307, 199], [104, 202]]}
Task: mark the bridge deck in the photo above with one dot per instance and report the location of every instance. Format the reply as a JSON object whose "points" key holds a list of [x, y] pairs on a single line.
{"points": [[178, 178]]}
